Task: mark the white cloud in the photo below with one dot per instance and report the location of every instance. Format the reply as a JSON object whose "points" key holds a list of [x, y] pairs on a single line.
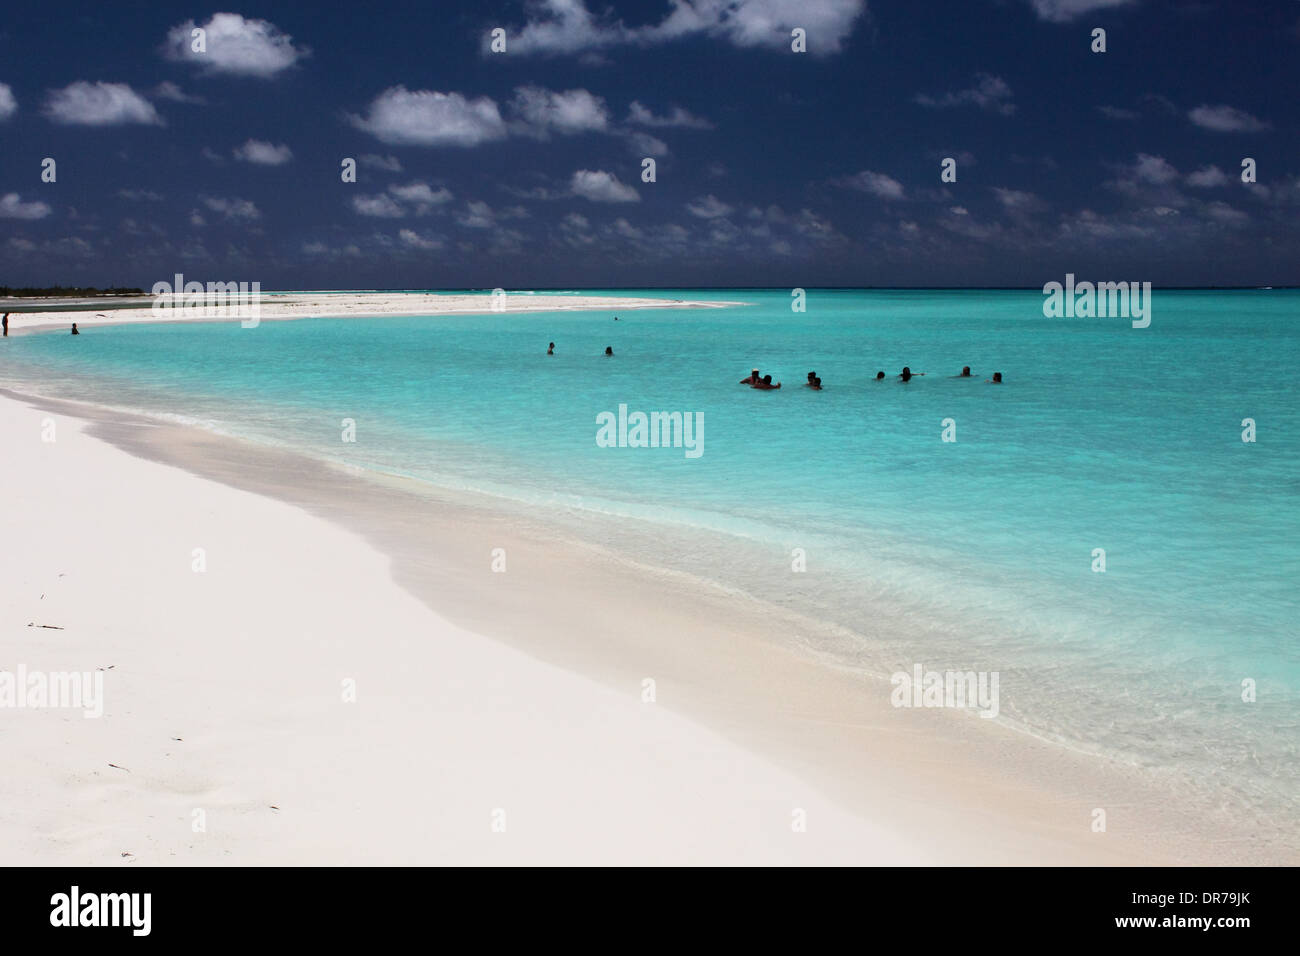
{"points": [[1223, 213], [235, 45], [380, 206], [709, 207], [567, 26], [1208, 178], [1016, 200], [99, 104], [8, 105], [877, 184], [1226, 119], [1063, 11], [643, 144], [137, 195], [232, 208], [678, 117], [989, 93], [389, 164], [1153, 169], [167, 90], [1116, 113], [544, 111], [399, 116], [12, 207], [421, 193], [600, 186], [478, 215], [263, 153], [625, 229], [412, 238]]}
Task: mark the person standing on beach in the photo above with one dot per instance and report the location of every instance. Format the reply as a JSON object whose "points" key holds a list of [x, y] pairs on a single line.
{"points": [[6, 325]]}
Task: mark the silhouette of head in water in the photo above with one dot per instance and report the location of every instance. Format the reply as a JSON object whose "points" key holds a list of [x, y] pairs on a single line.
{"points": [[767, 380], [906, 374], [997, 378], [74, 329], [550, 349], [965, 371], [609, 350], [879, 376], [812, 376]]}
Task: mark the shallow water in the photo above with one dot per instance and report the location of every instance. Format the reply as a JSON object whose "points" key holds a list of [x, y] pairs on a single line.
{"points": [[976, 554]]}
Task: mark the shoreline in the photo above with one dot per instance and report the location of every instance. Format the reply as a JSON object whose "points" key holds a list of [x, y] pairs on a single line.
{"points": [[955, 791], [287, 306]]}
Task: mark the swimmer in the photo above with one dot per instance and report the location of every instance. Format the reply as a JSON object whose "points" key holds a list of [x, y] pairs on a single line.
{"points": [[550, 349], [766, 384], [965, 372], [74, 329], [880, 376], [753, 378], [995, 380], [609, 350]]}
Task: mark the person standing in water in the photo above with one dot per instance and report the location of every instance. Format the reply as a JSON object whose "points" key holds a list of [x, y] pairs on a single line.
{"points": [[609, 350], [880, 376], [995, 380], [965, 372], [550, 349], [753, 378], [74, 329], [6, 325]]}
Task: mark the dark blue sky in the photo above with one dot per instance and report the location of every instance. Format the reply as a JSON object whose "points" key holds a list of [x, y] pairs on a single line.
{"points": [[523, 169]]}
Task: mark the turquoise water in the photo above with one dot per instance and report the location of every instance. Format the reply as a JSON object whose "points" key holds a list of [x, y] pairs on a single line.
{"points": [[974, 554]]}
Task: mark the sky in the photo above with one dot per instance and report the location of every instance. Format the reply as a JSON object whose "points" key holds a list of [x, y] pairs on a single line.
{"points": [[773, 166]]}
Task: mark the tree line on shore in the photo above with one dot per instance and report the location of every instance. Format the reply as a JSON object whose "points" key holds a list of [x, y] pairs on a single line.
{"points": [[65, 290]]}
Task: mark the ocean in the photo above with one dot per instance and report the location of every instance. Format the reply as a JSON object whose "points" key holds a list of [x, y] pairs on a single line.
{"points": [[980, 553]]}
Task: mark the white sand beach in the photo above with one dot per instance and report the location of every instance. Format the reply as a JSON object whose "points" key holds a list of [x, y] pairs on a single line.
{"points": [[224, 694], [224, 691], [121, 310]]}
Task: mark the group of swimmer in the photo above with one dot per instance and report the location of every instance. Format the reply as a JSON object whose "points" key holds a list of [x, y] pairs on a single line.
{"points": [[764, 383], [814, 382]]}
